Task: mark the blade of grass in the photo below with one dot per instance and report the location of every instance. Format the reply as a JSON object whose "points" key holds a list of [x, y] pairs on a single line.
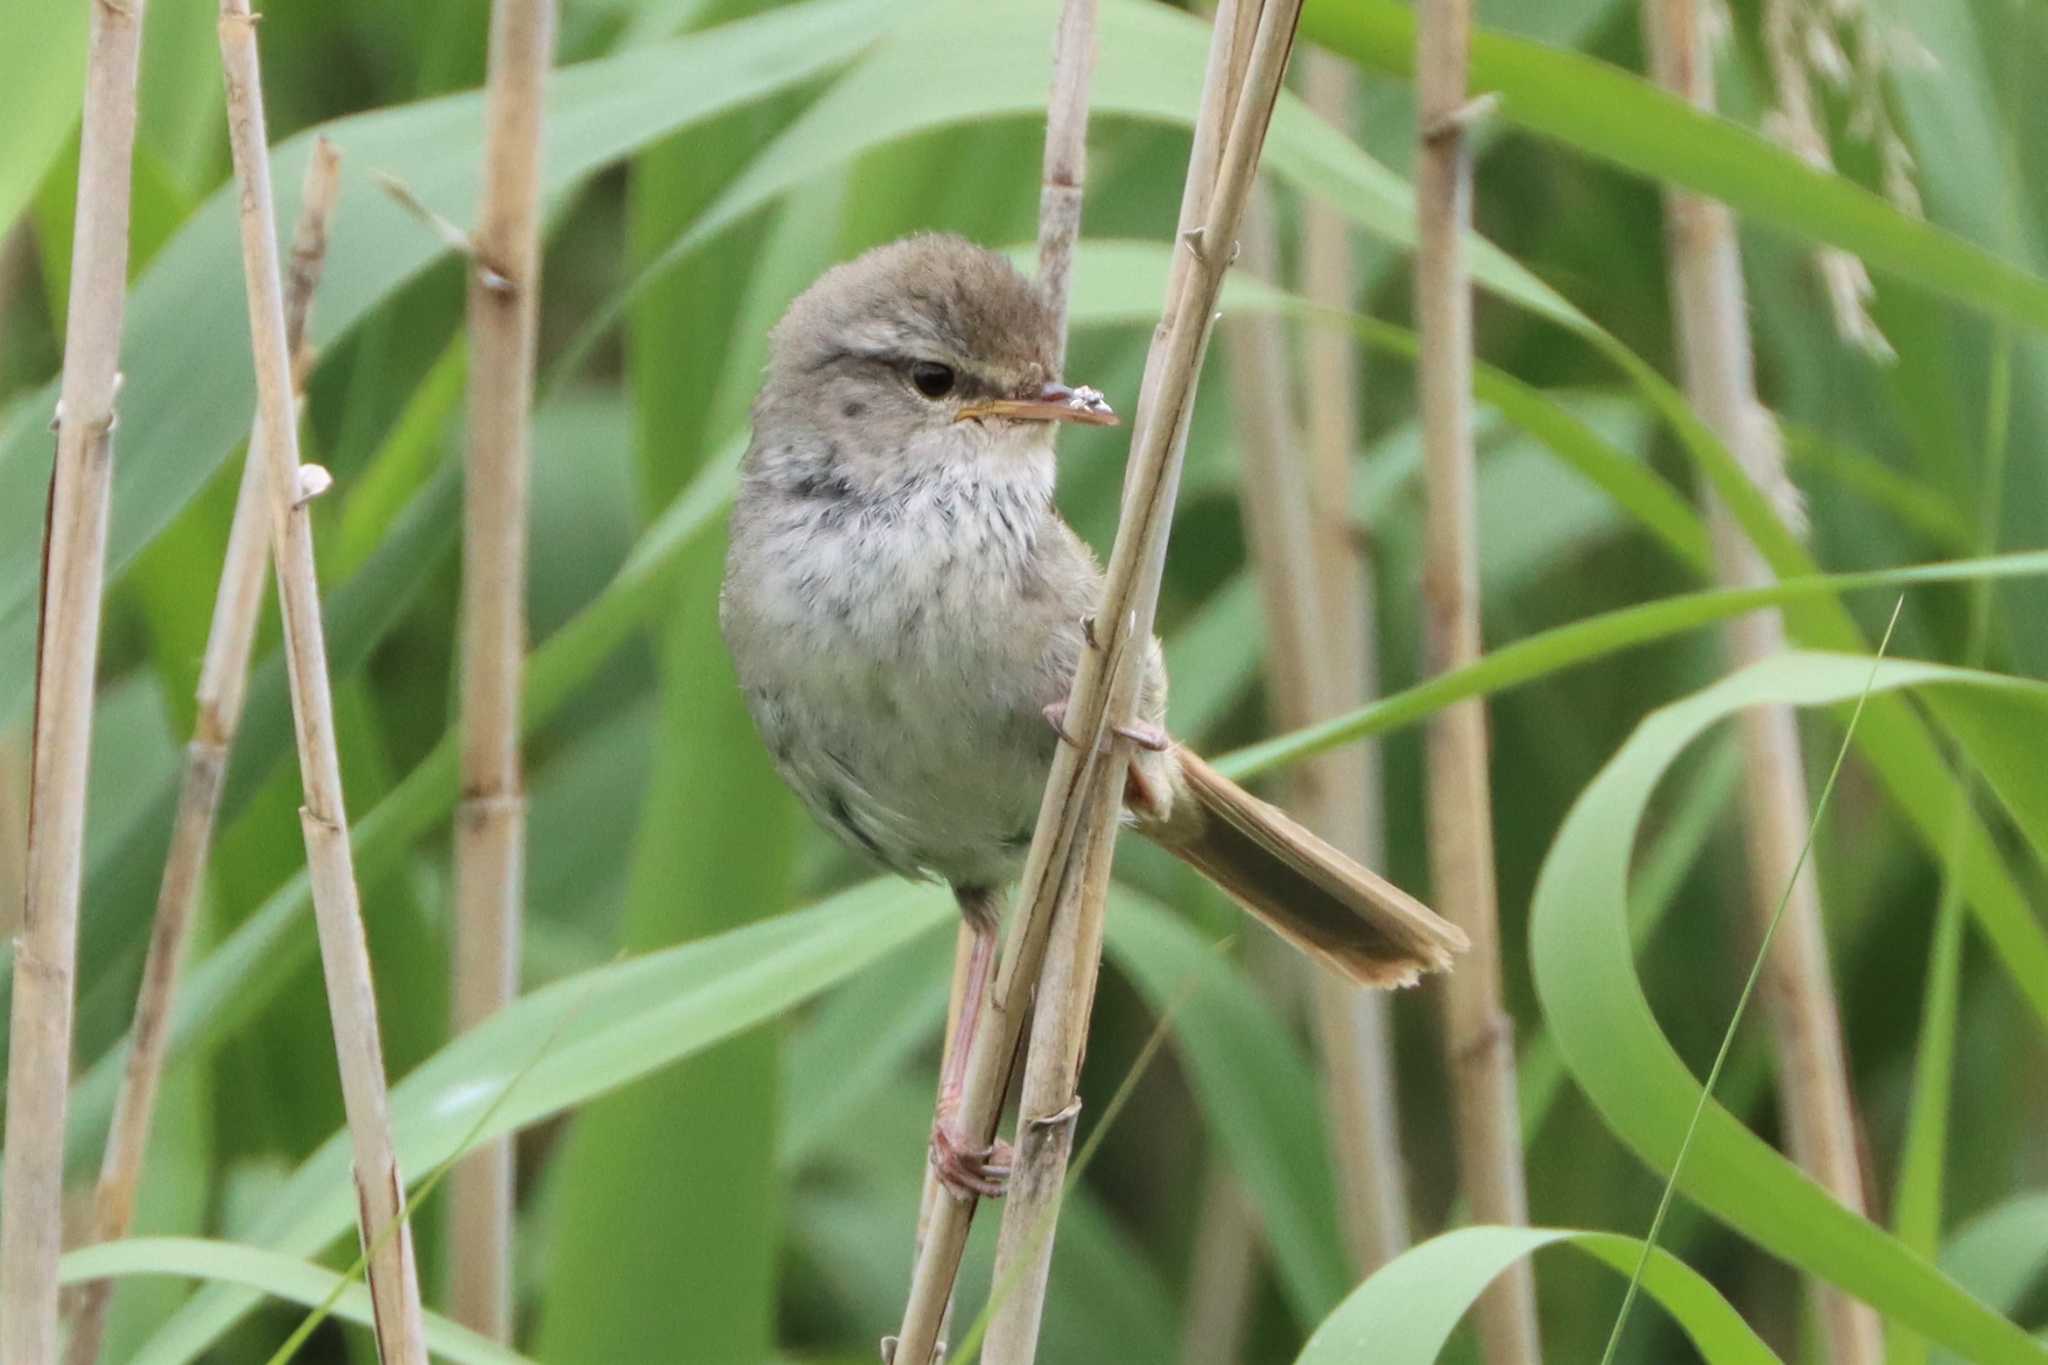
{"points": [[714, 844], [1756, 971], [1608, 113], [1916, 1214], [1588, 986], [1711, 319]]}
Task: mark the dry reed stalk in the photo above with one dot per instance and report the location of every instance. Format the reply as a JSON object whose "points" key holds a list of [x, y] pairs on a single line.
{"points": [[1354, 1026], [933, 1192], [1235, 114], [67, 646], [1306, 556], [490, 823], [1274, 493], [1061, 186], [1713, 333], [344, 951], [1066, 158], [223, 676], [1103, 688], [1480, 1037]]}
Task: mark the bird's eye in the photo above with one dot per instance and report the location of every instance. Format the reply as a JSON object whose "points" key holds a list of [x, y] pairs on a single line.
{"points": [[933, 380]]}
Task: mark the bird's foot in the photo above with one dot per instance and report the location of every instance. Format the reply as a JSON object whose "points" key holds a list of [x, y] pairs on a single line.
{"points": [[968, 1169], [1055, 715], [1146, 736]]}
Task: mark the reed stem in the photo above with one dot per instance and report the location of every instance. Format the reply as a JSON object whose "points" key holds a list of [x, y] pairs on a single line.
{"points": [[67, 649], [337, 910], [490, 821], [1714, 352], [1083, 800], [1479, 1034], [223, 678]]}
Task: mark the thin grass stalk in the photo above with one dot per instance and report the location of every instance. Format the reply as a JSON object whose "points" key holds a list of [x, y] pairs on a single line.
{"points": [[223, 677], [337, 911], [67, 647], [1479, 1035], [490, 822], [1714, 352], [1066, 159], [1062, 182], [1087, 779], [1354, 1027]]}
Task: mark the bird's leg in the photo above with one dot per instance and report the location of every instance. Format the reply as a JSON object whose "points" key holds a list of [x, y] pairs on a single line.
{"points": [[967, 1167]]}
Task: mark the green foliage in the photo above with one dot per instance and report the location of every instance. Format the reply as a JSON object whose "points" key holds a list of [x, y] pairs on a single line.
{"points": [[723, 1063]]}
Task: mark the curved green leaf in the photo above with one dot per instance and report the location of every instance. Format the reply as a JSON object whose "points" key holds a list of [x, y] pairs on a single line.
{"points": [[1587, 984], [1406, 1311], [270, 1274], [1150, 66], [183, 408], [1595, 637], [1621, 118], [568, 1043]]}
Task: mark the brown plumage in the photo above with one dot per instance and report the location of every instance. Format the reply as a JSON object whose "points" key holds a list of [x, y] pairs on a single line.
{"points": [[904, 606]]}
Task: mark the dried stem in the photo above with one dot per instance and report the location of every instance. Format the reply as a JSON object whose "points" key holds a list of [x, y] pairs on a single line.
{"points": [[1307, 563], [1343, 800], [490, 823], [74, 566], [1059, 229], [223, 676], [1712, 318], [1083, 796], [1066, 157], [344, 951], [1480, 1036]]}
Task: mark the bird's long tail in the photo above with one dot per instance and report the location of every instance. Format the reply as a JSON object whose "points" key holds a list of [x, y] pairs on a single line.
{"points": [[1306, 891]]}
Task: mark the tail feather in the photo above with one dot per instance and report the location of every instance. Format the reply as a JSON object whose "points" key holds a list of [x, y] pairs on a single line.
{"points": [[1311, 894]]}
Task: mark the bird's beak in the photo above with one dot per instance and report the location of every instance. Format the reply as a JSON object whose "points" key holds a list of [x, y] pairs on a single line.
{"points": [[1055, 403]]}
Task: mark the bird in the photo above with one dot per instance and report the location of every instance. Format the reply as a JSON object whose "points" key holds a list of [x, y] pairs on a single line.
{"points": [[905, 609]]}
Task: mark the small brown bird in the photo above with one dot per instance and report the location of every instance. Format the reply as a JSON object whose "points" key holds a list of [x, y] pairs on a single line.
{"points": [[905, 610]]}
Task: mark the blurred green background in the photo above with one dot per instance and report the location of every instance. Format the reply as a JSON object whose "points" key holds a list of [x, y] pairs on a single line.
{"points": [[725, 1144]]}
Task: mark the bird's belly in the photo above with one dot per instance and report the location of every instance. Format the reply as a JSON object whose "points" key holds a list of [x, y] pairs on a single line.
{"points": [[899, 697]]}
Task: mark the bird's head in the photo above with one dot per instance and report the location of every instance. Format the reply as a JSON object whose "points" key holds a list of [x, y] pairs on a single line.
{"points": [[930, 348]]}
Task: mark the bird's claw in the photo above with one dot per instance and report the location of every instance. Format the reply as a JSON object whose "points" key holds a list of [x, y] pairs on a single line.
{"points": [[1141, 733], [969, 1170], [1055, 714], [1145, 736]]}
